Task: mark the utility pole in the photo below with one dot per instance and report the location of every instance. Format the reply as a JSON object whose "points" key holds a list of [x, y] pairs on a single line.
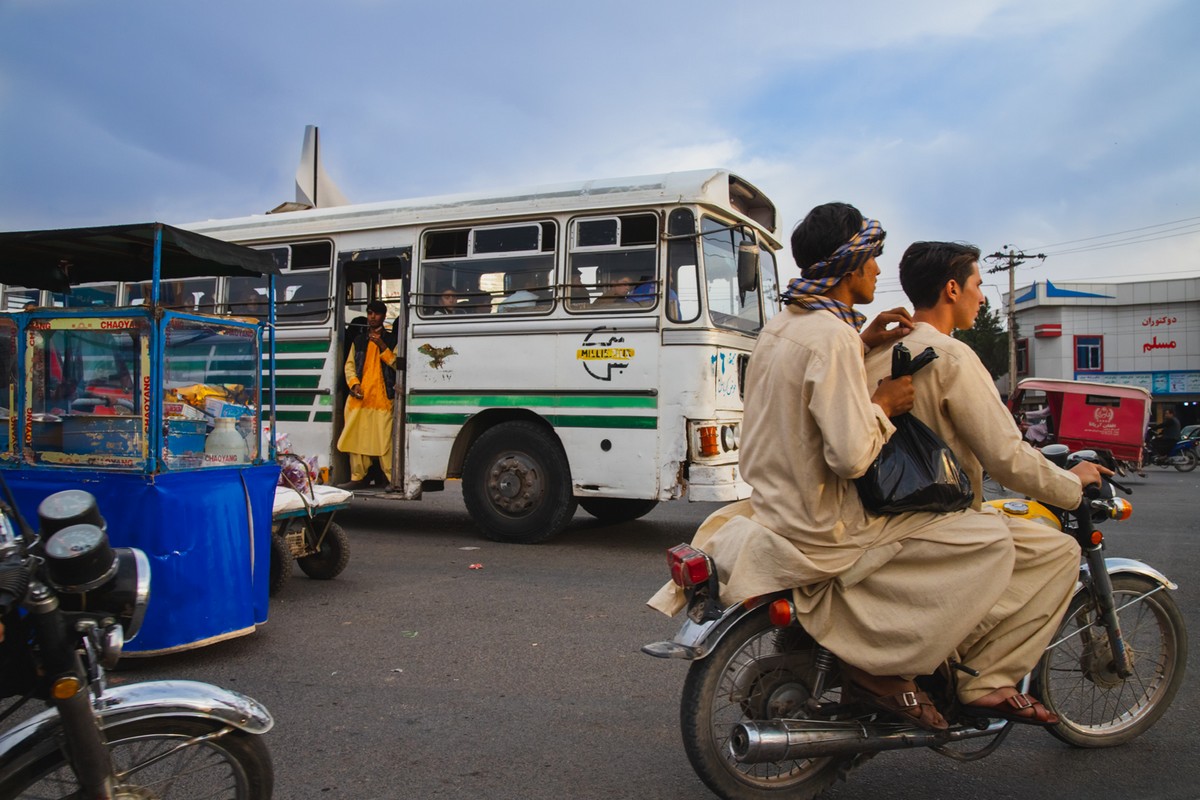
{"points": [[1014, 258]]}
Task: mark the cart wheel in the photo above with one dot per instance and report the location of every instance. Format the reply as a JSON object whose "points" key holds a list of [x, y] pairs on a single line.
{"points": [[281, 564], [331, 559]]}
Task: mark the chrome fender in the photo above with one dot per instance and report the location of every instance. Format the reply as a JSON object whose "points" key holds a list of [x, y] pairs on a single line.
{"points": [[696, 640], [138, 701], [1127, 566]]}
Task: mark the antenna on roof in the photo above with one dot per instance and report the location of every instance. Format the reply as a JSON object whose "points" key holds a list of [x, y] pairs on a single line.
{"points": [[314, 187]]}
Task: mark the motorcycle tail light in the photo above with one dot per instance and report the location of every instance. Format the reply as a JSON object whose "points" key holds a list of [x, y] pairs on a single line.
{"points": [[689, 566], [781, 613]]}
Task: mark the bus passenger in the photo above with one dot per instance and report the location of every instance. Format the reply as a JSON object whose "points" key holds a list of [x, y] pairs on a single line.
{"points": [[447, 303], [617, 292], [371, 375]]}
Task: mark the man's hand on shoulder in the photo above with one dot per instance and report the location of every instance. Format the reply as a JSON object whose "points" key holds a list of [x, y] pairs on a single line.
{"points": [[879, 333], [894, 395]]}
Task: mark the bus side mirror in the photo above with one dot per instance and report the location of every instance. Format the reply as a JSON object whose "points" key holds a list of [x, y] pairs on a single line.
{"points": [[747, 267]]}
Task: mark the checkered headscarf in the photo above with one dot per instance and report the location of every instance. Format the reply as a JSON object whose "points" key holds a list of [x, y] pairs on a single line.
{"points": [[807, 291]]}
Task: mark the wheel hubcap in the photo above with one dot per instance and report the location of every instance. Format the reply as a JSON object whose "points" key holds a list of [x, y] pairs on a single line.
{"points": [[514, 484]]}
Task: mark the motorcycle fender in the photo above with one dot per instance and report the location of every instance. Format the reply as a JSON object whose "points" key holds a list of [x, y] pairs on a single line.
{"points": [[138, 701], [696, 640], [1131, 566]]}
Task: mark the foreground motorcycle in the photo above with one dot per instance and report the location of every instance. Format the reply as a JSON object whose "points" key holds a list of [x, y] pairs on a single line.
{"points": [[1182, 456], [763, 714], [81, 599]]}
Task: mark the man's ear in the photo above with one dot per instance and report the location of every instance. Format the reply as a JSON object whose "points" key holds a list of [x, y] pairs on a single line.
{"points": [[951, 290]]}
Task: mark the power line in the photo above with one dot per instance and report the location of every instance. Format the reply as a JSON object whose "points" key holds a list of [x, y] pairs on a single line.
{"points": [[1121, 233]]}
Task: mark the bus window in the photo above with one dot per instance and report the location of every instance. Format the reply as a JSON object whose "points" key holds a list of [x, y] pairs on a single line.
{"points": [[198, 295], [17, 298], [727, 306], [302, 294], [94, 295], [613, 263], [495, 268], [683, 278]]}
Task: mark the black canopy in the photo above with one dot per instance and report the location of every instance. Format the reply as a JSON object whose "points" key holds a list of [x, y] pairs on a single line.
{"points": [[59, 259]]}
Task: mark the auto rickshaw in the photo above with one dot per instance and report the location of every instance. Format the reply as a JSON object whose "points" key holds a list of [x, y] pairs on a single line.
{"points": [[1108, 418]]}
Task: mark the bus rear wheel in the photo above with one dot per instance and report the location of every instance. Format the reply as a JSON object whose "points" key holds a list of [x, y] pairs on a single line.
{"points": [[612, 510], [517, 484]]}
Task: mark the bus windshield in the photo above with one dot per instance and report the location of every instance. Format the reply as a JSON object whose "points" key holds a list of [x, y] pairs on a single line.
{"points": [[728, 307]]}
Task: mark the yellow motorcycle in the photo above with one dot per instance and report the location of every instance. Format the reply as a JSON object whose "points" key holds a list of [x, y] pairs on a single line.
{"points": [[763, 713]]}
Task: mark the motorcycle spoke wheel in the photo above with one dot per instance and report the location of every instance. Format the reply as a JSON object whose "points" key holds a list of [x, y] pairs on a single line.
{"points": [[757, 672], [1075, 678], [158, 758]]}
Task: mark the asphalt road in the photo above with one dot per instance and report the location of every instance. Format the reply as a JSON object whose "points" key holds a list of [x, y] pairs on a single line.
{"points": [[413, 675]]}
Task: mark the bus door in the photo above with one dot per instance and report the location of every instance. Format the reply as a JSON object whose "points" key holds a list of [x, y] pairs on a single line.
{"points": [[365, 275]]}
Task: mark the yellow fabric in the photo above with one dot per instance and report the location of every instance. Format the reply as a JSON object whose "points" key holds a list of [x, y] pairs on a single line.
{"points": [[892, 595], [368, 422]]}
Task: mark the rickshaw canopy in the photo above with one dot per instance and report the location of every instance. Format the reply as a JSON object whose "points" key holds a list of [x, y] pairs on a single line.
{"points": [[1099, 416], [58, 259]]}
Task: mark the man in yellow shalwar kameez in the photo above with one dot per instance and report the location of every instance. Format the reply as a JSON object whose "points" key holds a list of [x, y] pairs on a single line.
{"points": [[371, 376]]}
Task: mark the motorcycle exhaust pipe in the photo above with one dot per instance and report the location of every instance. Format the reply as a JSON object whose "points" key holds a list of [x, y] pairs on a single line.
{"points": [[786, 740]]}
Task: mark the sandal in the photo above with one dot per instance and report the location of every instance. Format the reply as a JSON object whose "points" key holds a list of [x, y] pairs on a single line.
{"points": [[1023, 708], [914, 706]]}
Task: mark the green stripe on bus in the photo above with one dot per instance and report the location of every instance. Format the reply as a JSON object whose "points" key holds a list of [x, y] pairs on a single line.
{"points": [[559, 420], [291, 416], [294, 381], [323, 416], [297, 363], [541, 400], [309, 346], [295, 399]]}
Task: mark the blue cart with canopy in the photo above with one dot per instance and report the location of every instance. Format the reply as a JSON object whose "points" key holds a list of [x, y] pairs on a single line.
{"points": [[152, 407]]}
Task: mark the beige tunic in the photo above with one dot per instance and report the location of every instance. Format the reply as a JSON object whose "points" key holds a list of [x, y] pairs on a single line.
{"points": [[956, 398], [892, 595]]}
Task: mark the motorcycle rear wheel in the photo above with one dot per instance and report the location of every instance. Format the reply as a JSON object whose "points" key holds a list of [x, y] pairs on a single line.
{"points": [[1096, 707], [1185, 461], [730, 685], [236, 766]]}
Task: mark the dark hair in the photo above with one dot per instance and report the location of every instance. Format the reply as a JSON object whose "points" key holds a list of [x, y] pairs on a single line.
{"points": [[926, 267], [826, 228], [378, 306]]}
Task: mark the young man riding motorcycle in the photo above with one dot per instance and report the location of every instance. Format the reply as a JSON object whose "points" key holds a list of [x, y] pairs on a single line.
{"points": [[956, 398], [892, 596]]}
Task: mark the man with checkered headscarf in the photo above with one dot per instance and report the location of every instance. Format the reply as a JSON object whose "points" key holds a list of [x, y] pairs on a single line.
{"points": [[891, 596]]}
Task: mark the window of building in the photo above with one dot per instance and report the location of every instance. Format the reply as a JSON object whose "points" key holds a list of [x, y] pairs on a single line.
{"points": [[1089, 353], [1023, 357]]}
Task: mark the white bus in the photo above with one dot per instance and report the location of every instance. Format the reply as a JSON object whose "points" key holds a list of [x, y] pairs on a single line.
{"points": [[568, 344]]}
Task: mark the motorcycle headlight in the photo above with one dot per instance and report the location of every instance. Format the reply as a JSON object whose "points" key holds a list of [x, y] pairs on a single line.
{"points": [[97, 580]]}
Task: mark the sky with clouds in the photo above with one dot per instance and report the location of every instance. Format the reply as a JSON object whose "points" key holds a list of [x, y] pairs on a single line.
{"points": [[1065, 128]]}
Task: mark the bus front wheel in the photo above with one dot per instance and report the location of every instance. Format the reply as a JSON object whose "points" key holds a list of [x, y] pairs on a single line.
{"points": [[517, 484]]}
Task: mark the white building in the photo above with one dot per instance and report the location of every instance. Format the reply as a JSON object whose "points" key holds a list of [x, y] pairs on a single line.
{"points": [[1145, 334]]}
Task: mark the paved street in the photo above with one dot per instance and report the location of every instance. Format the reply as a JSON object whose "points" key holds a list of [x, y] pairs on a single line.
{"points": [[414, 676]]}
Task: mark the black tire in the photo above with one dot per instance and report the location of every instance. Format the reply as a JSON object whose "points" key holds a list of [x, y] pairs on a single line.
{"points": [[1185, 461], [1096, 708], [333, 556], [612, 510], [756, 672], [281, 564], [235, 766], [517, 484]]}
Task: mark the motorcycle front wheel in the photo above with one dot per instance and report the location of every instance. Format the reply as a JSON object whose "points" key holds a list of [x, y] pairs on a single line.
{"points": [[165, 758], [757, 672], [1075, 678]]}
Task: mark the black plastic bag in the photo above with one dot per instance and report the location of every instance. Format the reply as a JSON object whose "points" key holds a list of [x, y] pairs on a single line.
{"points": [[915, 470]]}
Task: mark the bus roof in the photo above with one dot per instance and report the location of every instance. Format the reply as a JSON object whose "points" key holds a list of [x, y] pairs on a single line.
{"points": [[712, 186]]}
